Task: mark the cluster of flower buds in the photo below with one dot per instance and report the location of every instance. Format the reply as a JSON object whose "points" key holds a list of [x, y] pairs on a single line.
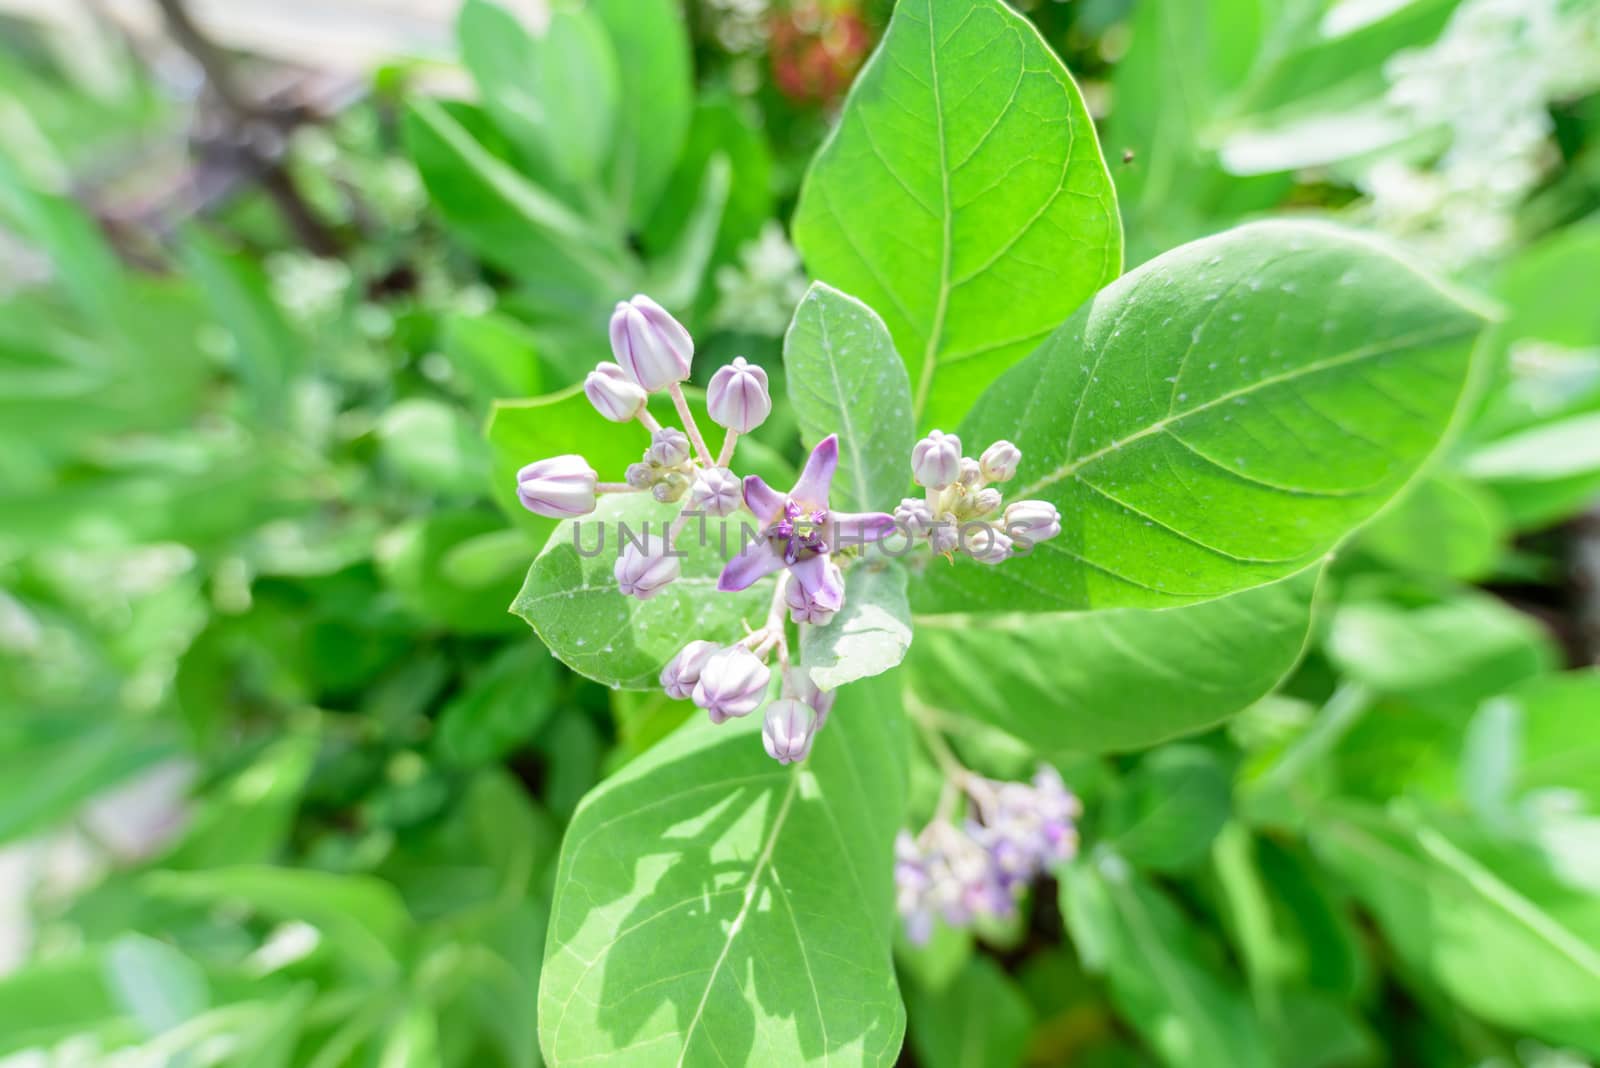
{"points": [[980, 869], [962, 512], [732, 681], [654, 352]]}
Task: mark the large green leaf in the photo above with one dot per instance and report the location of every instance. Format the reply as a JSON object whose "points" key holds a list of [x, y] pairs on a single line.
{"points": [[657, 102], [1219, 418], [1545, 473], [1484, 920], [571, 598], [845, 378], [1113, 680], [963, 196], [715, 907]]}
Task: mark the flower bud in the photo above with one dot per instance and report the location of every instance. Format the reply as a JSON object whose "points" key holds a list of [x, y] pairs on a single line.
{"points": [[732, 683], [788, 730], [945, 534], [561, 487], [914, 517], [985, 501], [644, 574], [683, 671], [989, 545], [971, 474], [652, 347], [803, 688], [737, 397], [814, 594], [670, 487], [936, 460], [613, 394], [1032, 521], [669, 447], [999, 461], [716, 491], [640, 476]]}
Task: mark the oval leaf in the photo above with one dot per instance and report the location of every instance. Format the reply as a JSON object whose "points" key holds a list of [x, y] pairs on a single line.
{"points": [[844, 377], [963, 195], [571, 598], [1134, 677], [714, 907], [1220, 418], [869, 636]]}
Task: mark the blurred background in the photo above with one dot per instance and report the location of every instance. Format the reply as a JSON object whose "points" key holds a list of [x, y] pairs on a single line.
{"points": [[281, 780]]}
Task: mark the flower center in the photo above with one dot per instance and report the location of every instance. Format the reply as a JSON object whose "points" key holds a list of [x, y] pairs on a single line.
{"points": [[800, 530]]}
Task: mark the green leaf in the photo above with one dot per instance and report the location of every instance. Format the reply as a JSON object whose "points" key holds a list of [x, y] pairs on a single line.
{"points": [[514, 224], [1545, 473], [268, 352], [154, 983], [422, 561], [553, 91], [1175, 804], [571, 599], [869, 635], [1160, 979], [963, 196], [433, 446], [677, 276], [1445, 526], [1558, 737], [713, 906], [980, 1020], [51, 1001], [362, 917], [652, 48], [496, 355], [1457, 650], [1219, 418], [1135, 677], [1485, 921], [844, 377], [504, 705]]}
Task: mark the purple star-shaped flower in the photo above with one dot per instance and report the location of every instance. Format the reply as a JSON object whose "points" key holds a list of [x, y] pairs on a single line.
{"points": [[799, 530]]}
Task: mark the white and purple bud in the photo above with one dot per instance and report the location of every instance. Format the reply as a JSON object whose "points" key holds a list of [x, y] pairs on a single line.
{"points": [[643, 574], [802, 687], [914, 517], [984, 502], [670, 487], [737, 396], [669, 447], [613, 394], [641, 476], [716, 491], [945, 534], [788, 730], [815, 593], [988, 545], [970, 475], [936, 460], [733, 683], [650, 345], [1031, 522], [912, 881], [561, 487], [999, 461], [683, 671]]}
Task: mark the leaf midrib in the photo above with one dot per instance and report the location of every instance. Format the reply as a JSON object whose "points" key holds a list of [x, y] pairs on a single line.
{"points": [[1353, 356], [751, 889]]}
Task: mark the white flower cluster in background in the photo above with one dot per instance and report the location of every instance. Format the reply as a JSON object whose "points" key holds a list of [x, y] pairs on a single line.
{"points": [[1487, 83], [759, 294]]}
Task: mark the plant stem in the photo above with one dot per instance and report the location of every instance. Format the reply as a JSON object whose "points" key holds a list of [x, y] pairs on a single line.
{"points": [[726, 455], [690, 427], [616, 487], [648, 420]]}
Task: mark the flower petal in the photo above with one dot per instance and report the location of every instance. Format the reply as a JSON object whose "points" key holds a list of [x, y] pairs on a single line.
{"points": [[762, 499], [859, 528], [817, 479], [754, 562]]}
